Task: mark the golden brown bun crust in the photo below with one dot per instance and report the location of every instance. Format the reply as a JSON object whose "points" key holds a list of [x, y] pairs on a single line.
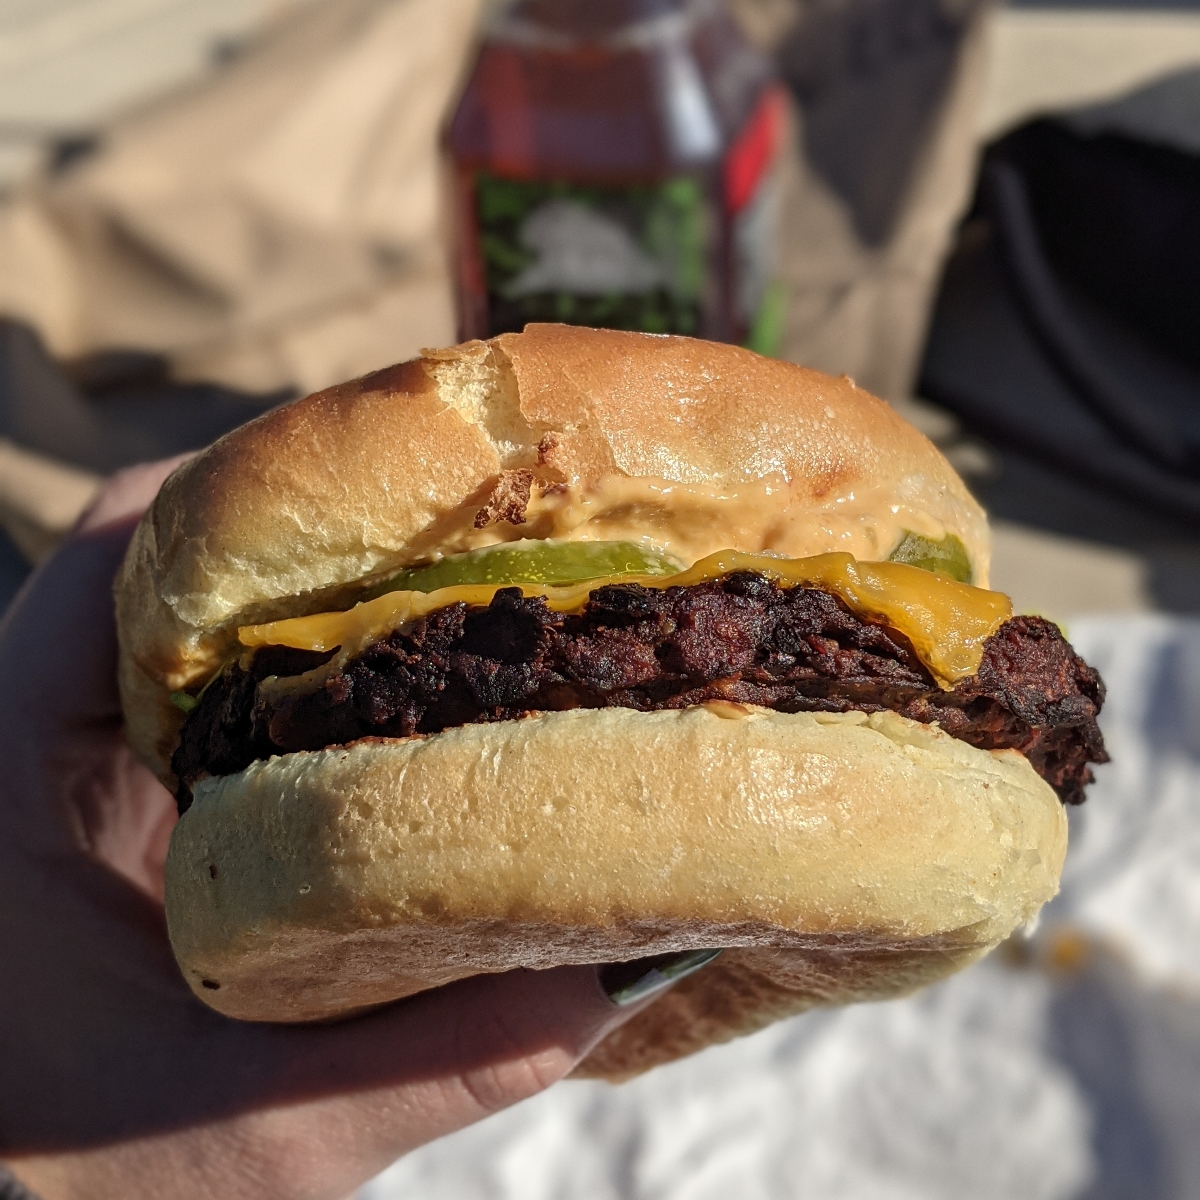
{"points": [[840, 857], [290, 512]]}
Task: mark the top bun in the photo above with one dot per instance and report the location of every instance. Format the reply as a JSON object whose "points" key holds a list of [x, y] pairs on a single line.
{"points": [[300, 509]]}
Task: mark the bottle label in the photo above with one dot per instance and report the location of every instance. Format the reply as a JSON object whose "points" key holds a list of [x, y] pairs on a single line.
{"points": [[653, 257], [634, 257]]}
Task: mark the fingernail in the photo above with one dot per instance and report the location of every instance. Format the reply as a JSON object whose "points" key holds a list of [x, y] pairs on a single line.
{"points": [[626, 983]]}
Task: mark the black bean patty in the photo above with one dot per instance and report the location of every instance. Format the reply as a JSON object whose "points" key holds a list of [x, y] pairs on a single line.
{"points": [[742, 638]]}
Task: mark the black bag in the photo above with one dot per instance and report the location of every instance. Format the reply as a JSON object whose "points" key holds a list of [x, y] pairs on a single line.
{"points": [[1068, 322]]}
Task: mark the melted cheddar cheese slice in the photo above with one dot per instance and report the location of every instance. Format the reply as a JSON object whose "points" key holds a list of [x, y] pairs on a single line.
{"points": [[947, 622]]}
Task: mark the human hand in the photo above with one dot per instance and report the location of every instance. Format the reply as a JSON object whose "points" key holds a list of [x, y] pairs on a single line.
{"points": [[114, 1079]]}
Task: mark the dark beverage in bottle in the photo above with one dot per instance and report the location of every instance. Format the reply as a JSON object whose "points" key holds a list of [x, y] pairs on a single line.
{"points": [[614, 165]]}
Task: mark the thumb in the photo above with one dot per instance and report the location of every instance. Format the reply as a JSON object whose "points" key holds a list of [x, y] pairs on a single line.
{"points": [[127, 494], [59, 636]]}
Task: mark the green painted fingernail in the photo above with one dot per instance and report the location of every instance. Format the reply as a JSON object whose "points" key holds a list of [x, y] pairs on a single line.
{"points": [[626, 983]]}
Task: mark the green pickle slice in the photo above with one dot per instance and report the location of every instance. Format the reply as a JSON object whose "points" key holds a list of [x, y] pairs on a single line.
{"points": [[555, 562], [947, 557], [185, 701], [533, 562]]}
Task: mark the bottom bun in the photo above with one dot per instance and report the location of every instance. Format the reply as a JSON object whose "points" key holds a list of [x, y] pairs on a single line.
{"points": [[837, 857]]}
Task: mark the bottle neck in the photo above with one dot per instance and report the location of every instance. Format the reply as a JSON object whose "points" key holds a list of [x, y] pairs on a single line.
{"points": [[567, 24]]}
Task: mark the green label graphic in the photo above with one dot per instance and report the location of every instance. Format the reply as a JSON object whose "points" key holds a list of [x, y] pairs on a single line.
{"points": [[626, 258]]}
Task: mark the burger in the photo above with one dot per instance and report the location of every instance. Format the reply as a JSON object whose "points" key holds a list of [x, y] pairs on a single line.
{"points": [[583, 646]]}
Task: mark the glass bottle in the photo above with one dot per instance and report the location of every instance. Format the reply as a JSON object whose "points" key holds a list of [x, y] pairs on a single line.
{"points": [[613, 165]]}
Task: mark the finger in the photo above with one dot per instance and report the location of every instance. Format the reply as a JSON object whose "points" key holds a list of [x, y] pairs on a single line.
{"points": [[465, 1053], [58, 640], [124, 815], [128, 493], [364, 1093], [59, 710], [169, 1062]]}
